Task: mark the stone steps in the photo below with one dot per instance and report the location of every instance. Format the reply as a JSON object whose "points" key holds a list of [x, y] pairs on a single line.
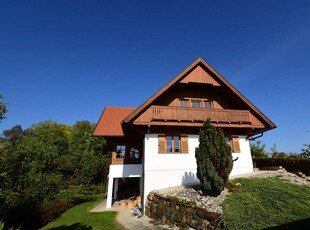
{"points": [[273, 168], [282, 169], [302, 175]]}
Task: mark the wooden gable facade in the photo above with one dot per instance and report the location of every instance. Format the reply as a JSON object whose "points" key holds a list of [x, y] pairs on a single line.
{"points": [[197, 93], [181, 107]]}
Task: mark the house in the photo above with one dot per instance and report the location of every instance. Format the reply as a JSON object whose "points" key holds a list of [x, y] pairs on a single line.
{"points": [[153, 146]]}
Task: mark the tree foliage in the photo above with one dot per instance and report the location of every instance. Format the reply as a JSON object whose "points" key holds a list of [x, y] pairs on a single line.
{"points": [[305, 152], [258, 149], [38, 163], [214, 160], [3, 109]]}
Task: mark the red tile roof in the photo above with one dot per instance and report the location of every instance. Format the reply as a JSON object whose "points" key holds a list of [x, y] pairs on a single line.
{"points": [[109, 123]]}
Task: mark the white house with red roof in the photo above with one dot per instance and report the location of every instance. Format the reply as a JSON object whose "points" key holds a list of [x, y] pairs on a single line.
{"points": [[153, 146]]}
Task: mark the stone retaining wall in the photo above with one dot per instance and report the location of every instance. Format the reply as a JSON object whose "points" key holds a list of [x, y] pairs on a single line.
{"points": [[177, 212]]}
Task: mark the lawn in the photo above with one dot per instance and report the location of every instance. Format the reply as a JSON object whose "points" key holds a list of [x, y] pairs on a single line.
{"points": [[78, 218], [268, 203]]}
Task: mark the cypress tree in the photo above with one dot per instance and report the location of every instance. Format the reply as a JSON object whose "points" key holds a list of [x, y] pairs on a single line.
{"points": [[214, 159]]}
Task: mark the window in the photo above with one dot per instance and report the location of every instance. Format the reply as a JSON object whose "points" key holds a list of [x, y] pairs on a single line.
{"points": [[234, 144], [196, 104], [134, 153], [184, 103], [207, 104], [172, 144], [120, 151]]}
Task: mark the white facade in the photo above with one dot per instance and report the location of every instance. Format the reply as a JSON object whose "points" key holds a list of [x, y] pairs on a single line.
{"points": [[244, 164], [167, 170], [164, 170]]}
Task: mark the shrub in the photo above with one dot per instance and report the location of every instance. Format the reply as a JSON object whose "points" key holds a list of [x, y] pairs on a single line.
{"points": [[78, 194], [49, 211], [291, 164], [214, 160]]}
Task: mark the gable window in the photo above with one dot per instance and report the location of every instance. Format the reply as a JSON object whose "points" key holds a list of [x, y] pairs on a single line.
{"points": [[184, 103], [134, 153], [172, 144], [208, 104], [196, 104], [120, 151]]}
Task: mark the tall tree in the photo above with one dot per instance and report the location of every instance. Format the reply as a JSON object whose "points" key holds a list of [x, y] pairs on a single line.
{"points": [[214, 159], [258, 149], [3, 109], [305, 152]]}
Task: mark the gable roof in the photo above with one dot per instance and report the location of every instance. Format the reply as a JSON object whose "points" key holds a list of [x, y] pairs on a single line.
{"points": [[109, 123], [216, 79]]}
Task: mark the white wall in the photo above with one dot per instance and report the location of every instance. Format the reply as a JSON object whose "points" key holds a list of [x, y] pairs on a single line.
{"points": [[168, 170], [244, 164]]}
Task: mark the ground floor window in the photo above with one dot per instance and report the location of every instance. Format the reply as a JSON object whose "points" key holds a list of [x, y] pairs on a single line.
{"points": [[234, 144], [172, 144]]}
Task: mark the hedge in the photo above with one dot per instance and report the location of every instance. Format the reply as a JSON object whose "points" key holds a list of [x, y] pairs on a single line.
{"points": [[291, 164]]}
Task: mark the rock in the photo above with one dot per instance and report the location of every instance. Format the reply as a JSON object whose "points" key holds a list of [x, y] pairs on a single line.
{"points": [[207, 215], [160, 212], [172, 204], [185, 209], [197, 224], [169, 213], [150, 196], [179, 217]]}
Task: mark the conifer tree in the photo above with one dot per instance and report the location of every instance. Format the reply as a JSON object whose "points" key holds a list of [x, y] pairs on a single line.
{"points": [[214, 159]]}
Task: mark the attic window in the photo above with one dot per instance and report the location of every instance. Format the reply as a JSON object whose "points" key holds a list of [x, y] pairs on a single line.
{"points": [[196, 104], [208, 104], [184, 103]]}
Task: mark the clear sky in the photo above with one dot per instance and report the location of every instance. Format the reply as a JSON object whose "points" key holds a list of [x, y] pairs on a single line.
{"points": [[66, 60]]}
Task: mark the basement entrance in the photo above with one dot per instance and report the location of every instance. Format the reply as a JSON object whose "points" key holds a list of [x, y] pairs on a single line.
{"points": [[125, 188]]}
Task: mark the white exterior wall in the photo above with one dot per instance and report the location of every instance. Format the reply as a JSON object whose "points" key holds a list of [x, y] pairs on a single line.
{"points": [[167, 170], [121, 171], [244, 164]]}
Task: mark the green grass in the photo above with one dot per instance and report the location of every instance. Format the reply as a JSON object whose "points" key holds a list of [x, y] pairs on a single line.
{"points": [[268, 203], [79, 218]]}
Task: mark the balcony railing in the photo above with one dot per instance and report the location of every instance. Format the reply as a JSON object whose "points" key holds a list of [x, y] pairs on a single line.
{"points": [[170, 114]]}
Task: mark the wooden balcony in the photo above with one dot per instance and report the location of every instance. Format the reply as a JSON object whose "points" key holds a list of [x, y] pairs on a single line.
{"points": [[166, 114]]}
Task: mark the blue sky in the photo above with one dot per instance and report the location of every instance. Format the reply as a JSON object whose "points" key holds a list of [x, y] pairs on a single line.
{"points": [[67, 60]]}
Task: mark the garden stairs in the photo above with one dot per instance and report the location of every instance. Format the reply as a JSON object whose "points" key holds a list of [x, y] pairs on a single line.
{"points": [[282, 169]]}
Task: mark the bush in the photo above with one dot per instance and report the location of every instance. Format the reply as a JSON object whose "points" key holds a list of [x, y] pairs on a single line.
{"points": [[291, 164], [49, 211], [78, 194], [214, 160]]}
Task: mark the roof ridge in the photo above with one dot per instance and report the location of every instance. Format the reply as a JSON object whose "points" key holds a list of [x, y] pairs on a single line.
{"points": [[119, 107]]}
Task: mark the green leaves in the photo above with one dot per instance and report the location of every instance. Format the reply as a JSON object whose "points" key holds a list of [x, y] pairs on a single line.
{"points": [[35, 164], [3, 109], [213, 157]]}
